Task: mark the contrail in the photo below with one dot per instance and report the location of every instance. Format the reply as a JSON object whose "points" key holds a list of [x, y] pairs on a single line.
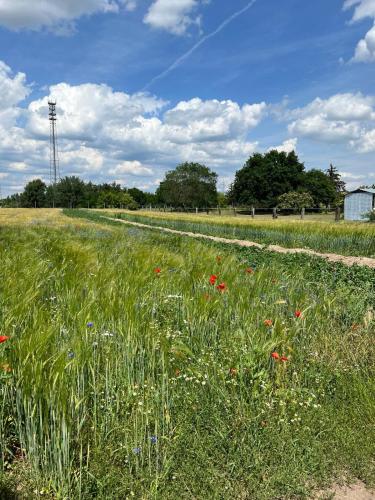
{"points": [[197, 45]]}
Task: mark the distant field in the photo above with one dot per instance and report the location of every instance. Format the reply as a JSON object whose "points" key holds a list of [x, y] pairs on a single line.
{"points": [[147, 365], [325, 235]]}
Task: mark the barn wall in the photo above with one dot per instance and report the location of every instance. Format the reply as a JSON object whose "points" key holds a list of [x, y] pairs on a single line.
{"points": [[358, 204]]}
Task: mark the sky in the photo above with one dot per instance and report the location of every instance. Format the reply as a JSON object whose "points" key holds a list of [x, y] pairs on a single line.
{"points": [[143, 85]]}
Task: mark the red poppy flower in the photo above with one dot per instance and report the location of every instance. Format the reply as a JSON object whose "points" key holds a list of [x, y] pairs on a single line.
{"points": [[3, 338], [222, 287], [298, 313], [275, 355], [157, 270], [233, 372], [284, 359], [249, 270], [213, 279], [268, 322]]}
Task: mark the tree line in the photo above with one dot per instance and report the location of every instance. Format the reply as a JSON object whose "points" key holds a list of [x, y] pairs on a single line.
{"points": [[72, 192], [272, 179]]}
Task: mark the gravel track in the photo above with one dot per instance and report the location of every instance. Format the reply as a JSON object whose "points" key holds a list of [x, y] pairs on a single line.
{"points": [[331, 257]]}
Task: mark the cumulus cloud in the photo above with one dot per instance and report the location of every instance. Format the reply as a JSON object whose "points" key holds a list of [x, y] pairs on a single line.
{"points": [[287, 146], [132, 168], [340, 118], [363, 8], [174, 16], [102, 132], [365, 50], [35, 14]]}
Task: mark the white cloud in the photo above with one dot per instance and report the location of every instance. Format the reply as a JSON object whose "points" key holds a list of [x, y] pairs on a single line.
{"points": [[365, 50], [350, 176], [102, 132], [18, 166], [340, 118], [318, 127], [35, 14], [287, 146], [174, 16], [363, 8], [365, 142], [132, 168]]}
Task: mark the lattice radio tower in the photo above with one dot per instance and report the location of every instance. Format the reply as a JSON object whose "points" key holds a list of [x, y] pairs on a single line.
{"points": [[54, 168]]}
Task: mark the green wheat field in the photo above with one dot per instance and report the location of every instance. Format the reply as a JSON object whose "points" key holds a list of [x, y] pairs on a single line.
{"points": [[136, 364]]}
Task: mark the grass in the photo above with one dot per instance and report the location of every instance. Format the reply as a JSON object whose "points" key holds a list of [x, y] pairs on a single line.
{"points": [[118, 381], [346, 238]]}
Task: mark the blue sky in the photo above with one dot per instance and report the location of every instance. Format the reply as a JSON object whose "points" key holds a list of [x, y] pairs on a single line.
{"points": [[142, 85]]}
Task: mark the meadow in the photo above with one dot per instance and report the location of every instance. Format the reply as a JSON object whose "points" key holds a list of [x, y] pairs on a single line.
{"points": [[319, 233], [136, 364]]}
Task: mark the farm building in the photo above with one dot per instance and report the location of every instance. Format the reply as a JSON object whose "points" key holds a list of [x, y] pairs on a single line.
{"points": [[358, 203]]}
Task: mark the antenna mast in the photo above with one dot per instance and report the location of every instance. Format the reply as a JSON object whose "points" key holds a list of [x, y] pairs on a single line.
{"points": [[54, 152]]}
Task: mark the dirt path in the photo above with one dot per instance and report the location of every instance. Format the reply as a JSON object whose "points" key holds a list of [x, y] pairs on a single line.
{"points": [[331, 257]]}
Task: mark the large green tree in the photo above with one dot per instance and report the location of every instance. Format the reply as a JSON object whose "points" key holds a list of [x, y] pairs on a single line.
{"points": [[189, 185], [265, 177], [320, 186], [69, 192], [34, 194]]}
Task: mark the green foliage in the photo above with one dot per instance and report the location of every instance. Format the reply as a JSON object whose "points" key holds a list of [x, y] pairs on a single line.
{"points": [[172, 392], [320, 186], [295, 200], [222, 200], [72, 192], [335, 178], [34, 194], [189, 185], [370, 216], [265, 177]]}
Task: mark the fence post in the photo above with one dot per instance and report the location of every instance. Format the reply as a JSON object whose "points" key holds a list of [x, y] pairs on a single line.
{"points": [[196, 210], [234, 211], [337, 214], [303, 213], [274, 213], [252, 212], [219, 210]]}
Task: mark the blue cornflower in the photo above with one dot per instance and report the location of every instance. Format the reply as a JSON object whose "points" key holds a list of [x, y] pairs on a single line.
{"points": [[71, 354], [154, 439], [136, 451], [90, 324]]}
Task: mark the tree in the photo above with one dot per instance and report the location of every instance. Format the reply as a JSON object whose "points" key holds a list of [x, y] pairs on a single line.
{"points": [[320, 186], [265, 177], [222, 200], [295, 200], [335, 178], [34, 194], [189, 185], [70, 192]]}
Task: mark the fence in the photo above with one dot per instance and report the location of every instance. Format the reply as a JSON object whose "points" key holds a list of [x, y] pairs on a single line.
{"points": [[253, 212]]}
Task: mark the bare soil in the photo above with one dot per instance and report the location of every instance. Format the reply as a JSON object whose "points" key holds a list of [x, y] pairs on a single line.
{"points": [[356, 491]]}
